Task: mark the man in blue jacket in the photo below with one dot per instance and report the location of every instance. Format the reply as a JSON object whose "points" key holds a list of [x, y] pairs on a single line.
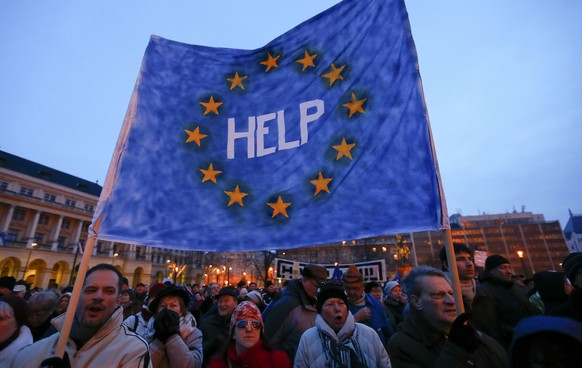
{"points": [[365, 308]]}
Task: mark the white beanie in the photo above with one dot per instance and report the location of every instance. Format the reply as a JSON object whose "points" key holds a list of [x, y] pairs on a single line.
{"points": [[255, 296], [389, 286]]}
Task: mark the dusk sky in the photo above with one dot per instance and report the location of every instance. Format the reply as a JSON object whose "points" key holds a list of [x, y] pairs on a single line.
{"points": [[502, 82]]}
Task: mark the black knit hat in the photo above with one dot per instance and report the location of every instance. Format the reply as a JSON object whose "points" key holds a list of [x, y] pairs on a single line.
{"points": [[8, 282], [330, 289], [495, 260]]}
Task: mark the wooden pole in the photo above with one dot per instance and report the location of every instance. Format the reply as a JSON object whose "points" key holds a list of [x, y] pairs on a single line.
{"points": [[455, 283], [72, 308]]}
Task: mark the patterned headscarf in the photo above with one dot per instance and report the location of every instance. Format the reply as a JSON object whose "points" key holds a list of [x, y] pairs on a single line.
{"points": [[245, 311]]}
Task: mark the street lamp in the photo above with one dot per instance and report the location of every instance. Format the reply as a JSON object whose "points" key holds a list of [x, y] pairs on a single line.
{"points": [[28, 260], [520, 255]]}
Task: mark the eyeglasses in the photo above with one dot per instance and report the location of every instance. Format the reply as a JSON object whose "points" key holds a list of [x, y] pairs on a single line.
{"points": [[255, 325]]}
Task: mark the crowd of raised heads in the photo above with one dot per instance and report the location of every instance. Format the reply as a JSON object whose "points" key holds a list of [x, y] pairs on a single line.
{"points": [[311, 321]]}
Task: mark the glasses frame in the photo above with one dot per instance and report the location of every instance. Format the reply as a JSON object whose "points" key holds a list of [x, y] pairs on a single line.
{"points": [[255, 325]]}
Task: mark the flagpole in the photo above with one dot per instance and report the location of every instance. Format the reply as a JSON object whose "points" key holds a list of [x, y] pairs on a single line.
{"points": [[445, 223], [72, 308], [74, 263], [453, 271]]}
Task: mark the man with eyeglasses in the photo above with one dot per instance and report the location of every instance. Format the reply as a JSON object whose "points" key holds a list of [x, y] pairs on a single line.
{"points": [[511, 306], [294, 312], [432, 335]]}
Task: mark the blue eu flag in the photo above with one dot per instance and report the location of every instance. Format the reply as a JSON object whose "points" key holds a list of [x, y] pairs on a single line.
{"points": [[320, 136]]}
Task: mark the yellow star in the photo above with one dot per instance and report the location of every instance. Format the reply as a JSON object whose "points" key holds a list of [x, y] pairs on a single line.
{"points": [[279, 207], [355, 105], [195, 136], [334, 74], [210, 174], [271, 62], [307, 60], [236, 197], [344, 149], [237, 81], [321, 183], [211, 106]]}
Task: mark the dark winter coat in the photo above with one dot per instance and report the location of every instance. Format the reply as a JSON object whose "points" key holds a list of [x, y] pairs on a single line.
{"points": [[287, 318], [418, 345], [215, 331], [510, 306]]}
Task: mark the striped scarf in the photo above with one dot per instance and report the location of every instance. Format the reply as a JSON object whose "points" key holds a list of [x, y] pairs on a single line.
{"points": [[342, 354]]}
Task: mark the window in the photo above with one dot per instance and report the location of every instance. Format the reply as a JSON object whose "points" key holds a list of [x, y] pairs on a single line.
{"points": [[70, 203], [61, 241], [19, 214], [38, 237], [49, 197], [26, 191], [85, 227], [12, 235], [3, 185], [88, 208], [43, 219], [65, 224]]}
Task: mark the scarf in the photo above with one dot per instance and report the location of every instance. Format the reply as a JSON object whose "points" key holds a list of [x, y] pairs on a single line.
{"points": [[469, 290], [342, 354], [81, 334], [187, 325]]}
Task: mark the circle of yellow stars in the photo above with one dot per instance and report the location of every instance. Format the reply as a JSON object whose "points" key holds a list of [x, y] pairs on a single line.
{"points": [[308, 61]]}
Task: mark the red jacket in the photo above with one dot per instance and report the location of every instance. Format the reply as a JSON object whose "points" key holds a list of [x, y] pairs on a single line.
{"points": [[257, 356]]}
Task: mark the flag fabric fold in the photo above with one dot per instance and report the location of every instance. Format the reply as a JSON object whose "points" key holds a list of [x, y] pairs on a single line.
{"points": [[320, 136]]}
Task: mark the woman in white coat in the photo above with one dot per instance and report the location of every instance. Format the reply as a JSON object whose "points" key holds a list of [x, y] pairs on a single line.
{"points": [[14, 335], [337, 340]]}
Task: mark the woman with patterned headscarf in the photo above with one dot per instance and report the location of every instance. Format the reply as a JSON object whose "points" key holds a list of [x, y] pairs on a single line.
{"points": [[246, 343]]}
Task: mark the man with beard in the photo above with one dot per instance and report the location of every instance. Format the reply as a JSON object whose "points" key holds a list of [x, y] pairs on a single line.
{"points": [[432, 335], [97, 337]]}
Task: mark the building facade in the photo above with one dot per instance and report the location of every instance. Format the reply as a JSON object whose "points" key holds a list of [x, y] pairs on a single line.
{"points": [[573, 233], [45, 216], [542, 245]]}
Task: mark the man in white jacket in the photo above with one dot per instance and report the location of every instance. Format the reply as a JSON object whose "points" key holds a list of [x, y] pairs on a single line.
{"points": [[97, 337], [337, 340]]}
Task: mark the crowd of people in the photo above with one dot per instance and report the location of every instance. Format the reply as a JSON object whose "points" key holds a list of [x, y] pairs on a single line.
{"points": [[312, 321]]}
